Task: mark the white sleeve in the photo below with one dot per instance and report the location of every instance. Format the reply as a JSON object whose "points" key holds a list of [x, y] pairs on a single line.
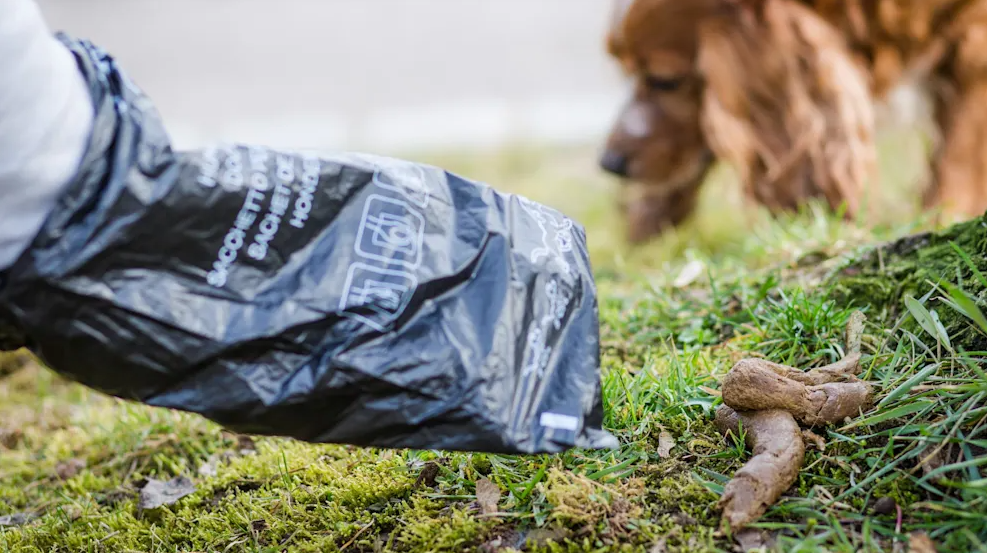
{"points": [[46, 115]]}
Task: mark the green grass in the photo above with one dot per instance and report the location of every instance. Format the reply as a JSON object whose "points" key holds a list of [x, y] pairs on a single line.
{"points": [[763, 289]]}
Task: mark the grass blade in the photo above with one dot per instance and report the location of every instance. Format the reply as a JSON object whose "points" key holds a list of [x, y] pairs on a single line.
{"points": [[965, 305], [896, 413], [924, 318], [969, 263], [906, 386]]}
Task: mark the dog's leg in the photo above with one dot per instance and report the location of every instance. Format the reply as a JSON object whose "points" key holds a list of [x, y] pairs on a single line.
{"points": [[649, 213], [958, 189]]}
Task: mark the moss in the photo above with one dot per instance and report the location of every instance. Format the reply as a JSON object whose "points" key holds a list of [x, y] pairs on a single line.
{"points": [[664, 349], [681, 497], [11, 362], [880, 277], [684, 513], [427, 528], [481, 464], [903, 492]]}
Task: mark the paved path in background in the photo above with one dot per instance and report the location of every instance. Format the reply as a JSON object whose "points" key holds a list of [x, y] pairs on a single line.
{"points": [[376, 74]]}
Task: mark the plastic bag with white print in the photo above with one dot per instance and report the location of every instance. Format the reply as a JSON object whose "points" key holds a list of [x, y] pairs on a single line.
{"points": [[334, 297], [555, 251]]}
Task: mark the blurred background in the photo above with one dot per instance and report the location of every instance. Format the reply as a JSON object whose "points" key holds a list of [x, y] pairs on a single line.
{"points": [[516, 93], [394, 75]]}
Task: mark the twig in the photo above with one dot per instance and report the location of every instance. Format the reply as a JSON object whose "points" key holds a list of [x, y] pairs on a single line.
{"points": [[357, 535]]}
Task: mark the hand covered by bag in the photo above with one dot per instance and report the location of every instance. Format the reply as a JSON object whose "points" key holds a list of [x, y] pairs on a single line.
{"points": [[341, 298]]}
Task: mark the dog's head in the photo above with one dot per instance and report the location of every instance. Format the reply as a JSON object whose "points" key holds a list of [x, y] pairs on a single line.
{"points": [[765, 85], [657, 139]]}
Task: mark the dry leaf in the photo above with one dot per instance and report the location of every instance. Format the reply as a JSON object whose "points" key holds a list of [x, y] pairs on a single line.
{"points": [[10, 439], [211, 466], [665, 444], [814, 440], [919, 542], [208, 468], [692, 271], [16, 519], [428, 475], [246, 445], [72, 512], [934, 457], [70, 468], [540, 537], [156, 493], [752, 540], [683, 519], [487, 496]]}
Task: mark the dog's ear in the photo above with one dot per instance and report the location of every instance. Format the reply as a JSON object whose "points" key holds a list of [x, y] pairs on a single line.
{"points": [[618, 12], [786, 104]]}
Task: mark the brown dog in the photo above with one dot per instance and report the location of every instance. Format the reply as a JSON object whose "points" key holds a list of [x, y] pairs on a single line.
{"points": [[784, 91]]}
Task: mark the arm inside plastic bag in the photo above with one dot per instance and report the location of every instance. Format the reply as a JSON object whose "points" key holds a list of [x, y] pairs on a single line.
{"points": [[330, 297], [45, 120]]}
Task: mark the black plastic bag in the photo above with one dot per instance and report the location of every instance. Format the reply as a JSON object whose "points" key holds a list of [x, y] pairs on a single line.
{"points": [[331, 298]]}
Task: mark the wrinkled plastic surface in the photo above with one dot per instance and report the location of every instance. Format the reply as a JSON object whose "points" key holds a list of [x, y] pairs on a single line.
{"points": [[337, 298]]}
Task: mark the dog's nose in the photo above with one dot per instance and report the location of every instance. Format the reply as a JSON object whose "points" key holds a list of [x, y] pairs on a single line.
{"points": [[615, 163]]}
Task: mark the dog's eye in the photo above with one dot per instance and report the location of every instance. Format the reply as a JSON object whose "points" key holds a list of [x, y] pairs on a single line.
{"points": [[663, 84]]}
